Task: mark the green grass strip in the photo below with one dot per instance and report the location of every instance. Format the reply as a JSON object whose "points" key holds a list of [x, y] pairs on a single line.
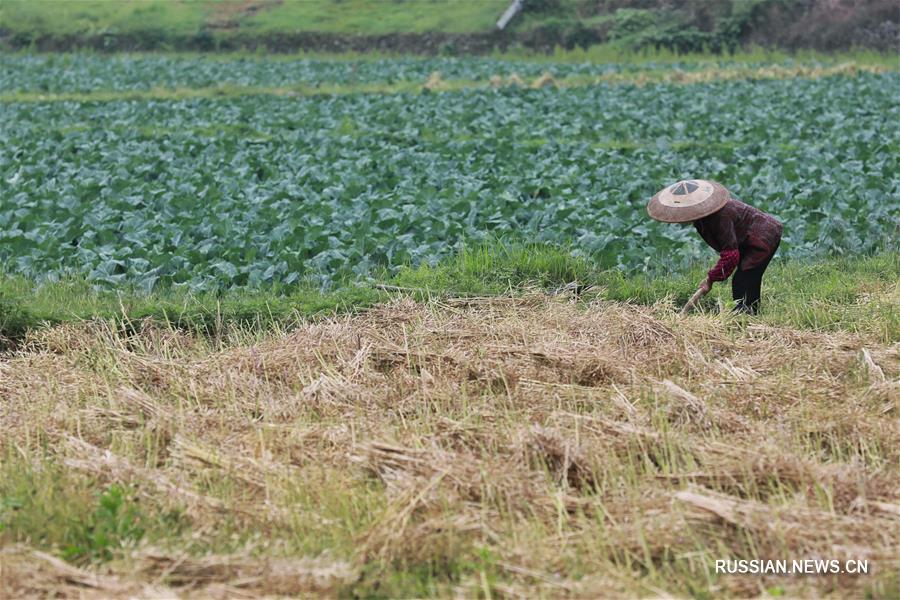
{"points": [[857, 294]]}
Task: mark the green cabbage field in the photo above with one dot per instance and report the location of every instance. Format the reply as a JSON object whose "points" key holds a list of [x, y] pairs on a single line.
{"points": [[249, 189]]}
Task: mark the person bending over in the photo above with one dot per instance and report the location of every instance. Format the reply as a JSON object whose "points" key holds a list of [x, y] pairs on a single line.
{"points": [[745, 237]]}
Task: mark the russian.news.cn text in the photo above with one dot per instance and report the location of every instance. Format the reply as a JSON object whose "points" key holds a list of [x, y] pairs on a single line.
{"points": [[808, 566]]}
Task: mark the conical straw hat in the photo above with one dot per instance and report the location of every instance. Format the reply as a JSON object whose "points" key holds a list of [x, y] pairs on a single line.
{"points": [[687, 200]]}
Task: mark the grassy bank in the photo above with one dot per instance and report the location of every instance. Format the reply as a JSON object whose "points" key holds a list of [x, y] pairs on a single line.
{"points": [[191, 17], [855, 294], [275, 25]]}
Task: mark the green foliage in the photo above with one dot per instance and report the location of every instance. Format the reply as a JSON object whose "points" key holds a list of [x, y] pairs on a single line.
{"points": [[543, 6], [497, 267], [15, 319], [215, 193], [116, 520], [675, 29], [641, 29], [630, 22], [55, 510]]}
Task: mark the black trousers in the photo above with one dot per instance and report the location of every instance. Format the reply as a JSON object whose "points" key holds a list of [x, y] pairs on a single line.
{"points": [[745, 288]]}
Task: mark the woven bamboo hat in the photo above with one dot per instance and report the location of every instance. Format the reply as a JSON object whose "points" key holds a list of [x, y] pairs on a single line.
{"points": [[687, 200]]}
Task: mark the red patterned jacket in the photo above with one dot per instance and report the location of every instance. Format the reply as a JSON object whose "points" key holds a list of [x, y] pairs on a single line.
{"points": [[741, 235]]}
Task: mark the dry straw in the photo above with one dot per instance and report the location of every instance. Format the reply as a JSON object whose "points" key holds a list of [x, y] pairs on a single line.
{"points": [[591, 450]]}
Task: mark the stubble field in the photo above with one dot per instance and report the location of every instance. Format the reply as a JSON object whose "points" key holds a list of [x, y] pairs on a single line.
{"points": [[515, 447]]}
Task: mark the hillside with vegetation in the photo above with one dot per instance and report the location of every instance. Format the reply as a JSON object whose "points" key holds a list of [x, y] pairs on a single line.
{"points": [[437, 26]]}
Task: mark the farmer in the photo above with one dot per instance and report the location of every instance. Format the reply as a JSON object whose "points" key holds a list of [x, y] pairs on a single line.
{"points": [[745, 237]]}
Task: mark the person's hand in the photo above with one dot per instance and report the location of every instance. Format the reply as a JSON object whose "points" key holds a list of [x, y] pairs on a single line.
{"points": [[705, 285]]}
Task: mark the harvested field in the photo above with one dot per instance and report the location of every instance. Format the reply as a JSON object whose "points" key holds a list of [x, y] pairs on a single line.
{"points": [[502, 447]]}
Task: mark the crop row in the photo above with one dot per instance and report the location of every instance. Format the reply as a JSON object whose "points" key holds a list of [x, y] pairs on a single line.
{"points": [[87, 73]]}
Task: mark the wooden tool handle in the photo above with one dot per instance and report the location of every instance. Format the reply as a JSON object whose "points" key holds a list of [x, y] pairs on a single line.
{"points": [[693, 300]]}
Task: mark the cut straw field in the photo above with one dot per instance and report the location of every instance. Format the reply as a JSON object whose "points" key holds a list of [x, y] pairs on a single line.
{"points": [[505, 447]]}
